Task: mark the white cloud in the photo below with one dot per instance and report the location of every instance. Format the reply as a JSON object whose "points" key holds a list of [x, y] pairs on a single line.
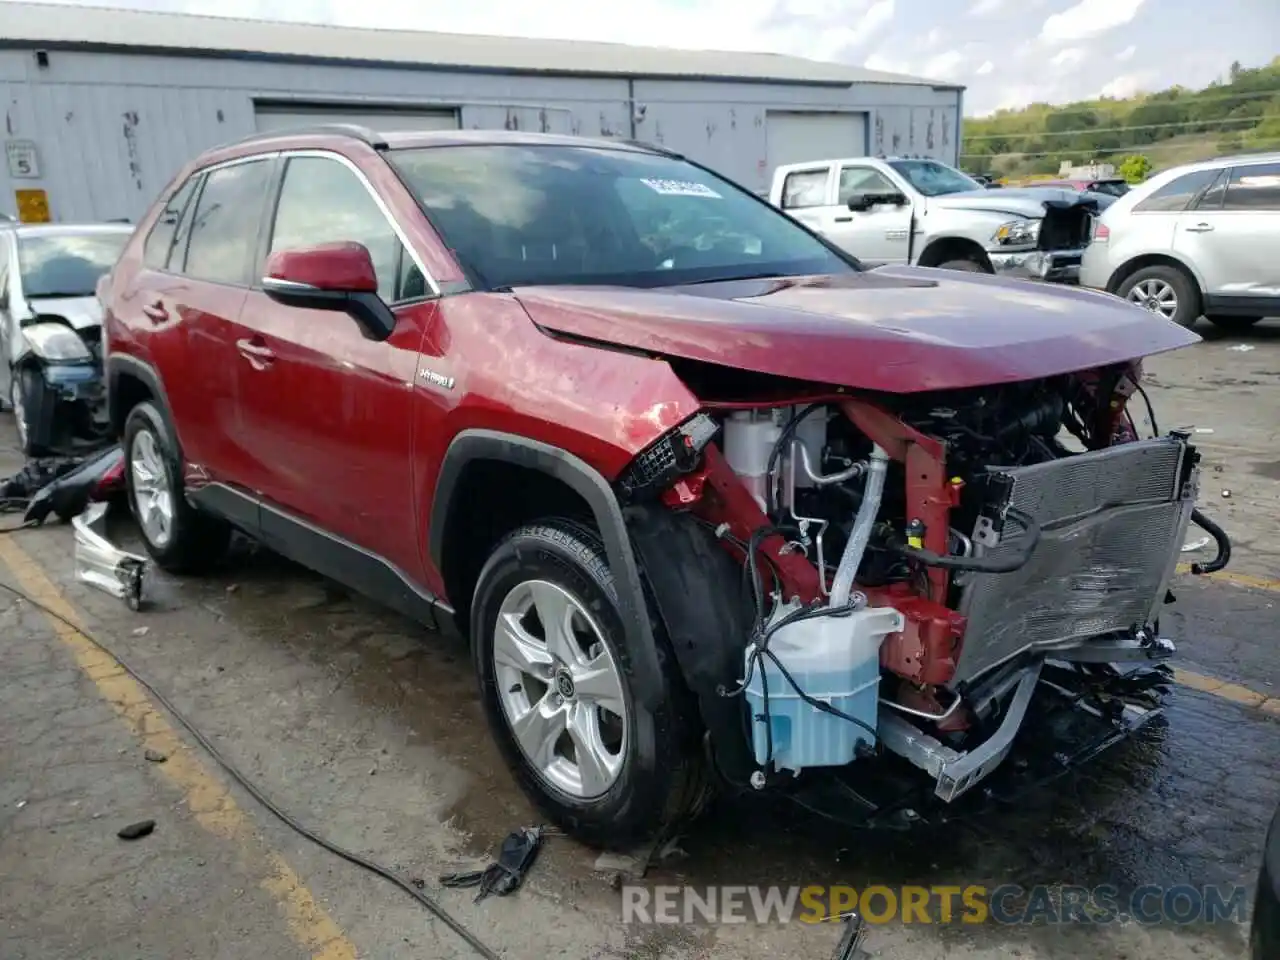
{"points": [[1069, 57], [943, 66], [984, 8], [878, 61], [1126, 54], [932, 38], [986, 68], [1088, 18], [1127, 85]]}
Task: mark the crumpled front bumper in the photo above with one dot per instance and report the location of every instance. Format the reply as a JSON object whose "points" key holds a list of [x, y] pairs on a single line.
{"points": [[1053, 266]]}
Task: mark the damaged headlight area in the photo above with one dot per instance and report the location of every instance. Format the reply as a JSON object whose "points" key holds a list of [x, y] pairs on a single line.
{"points": [[56, 342], [1024, 232]]}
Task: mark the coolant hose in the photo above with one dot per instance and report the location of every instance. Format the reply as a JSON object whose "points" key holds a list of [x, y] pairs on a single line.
{"points": [[868, 510], [1219, 537]]}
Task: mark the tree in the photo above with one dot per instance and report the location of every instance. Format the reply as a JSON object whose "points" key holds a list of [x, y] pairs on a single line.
{"points": [[1135, 168]]}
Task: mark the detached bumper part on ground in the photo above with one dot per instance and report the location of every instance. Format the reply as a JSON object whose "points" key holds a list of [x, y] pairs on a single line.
{"points": [[101, 564]]}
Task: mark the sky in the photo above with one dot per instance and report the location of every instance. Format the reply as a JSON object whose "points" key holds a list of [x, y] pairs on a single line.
{"points": [[1008, 53]]}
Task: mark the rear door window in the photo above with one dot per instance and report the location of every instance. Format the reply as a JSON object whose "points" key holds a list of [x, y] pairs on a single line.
{"points": [[1176, 195], [805, 188], [1211, 199], [160, 240], [1254, 188], [224, 228]]}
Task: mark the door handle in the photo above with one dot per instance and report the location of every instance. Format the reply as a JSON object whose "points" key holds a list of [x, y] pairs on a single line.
{"points": [[1200, 228], [844, 219], [256, 352], [155, 312]]}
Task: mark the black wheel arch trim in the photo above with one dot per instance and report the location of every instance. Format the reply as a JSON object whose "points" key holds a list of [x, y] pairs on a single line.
{"points": [[479, 444], [118, 364]]}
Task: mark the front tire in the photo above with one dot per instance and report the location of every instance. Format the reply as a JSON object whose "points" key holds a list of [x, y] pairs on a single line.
{"points": [[32, 410], [563, 700], [178, 537], [1165, 291]]}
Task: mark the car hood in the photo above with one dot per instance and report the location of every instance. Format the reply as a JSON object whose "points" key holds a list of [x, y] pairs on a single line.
{"points": [[81, 312], [893, 329], [1017, 201]]}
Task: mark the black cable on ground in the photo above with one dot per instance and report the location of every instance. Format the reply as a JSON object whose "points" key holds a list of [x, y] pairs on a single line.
{"points": [[256, 792]]}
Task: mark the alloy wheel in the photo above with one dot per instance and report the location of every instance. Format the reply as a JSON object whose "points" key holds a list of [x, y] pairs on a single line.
{"points": [[1156, 295], [153, 500], [560, 689]]}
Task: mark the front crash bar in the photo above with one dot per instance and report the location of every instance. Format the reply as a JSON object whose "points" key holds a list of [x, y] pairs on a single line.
{"points": [[101, 564], [956, 772]]}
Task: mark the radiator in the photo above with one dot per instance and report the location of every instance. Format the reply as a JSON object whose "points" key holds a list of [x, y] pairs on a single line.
{"points": [[1112, 526]]}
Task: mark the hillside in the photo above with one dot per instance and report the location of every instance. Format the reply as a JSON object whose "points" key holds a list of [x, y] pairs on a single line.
{"points": [[1239, 114]]}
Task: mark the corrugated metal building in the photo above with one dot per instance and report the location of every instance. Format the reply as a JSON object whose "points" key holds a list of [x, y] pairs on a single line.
{"points": [[103, 106]]}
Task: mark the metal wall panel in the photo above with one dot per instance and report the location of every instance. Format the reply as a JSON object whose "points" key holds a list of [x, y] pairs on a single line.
{"points": [[112, 129]]}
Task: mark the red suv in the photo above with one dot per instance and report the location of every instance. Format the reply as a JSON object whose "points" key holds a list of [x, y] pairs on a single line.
{"points": [[706, 496]]}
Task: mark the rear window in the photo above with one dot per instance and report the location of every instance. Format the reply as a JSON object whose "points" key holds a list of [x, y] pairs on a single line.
{"points": [[1176, 195], [520, 215], [1113, 188]]}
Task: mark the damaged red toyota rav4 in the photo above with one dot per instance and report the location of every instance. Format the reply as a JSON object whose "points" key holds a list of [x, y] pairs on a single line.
{"points": [[713, 504]]}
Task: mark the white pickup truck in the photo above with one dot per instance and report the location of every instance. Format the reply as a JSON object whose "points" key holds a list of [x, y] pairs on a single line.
{"points": [[919, 211]]}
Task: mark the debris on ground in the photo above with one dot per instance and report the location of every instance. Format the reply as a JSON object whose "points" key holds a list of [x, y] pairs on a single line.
{"points": [[1241, 347], [504, 875], [155, 756], [635, 865], [136, 831], [850, 945], [101, 564], [98, 477]]}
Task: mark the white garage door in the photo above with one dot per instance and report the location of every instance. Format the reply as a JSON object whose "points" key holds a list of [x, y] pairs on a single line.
{"points": [[272, 118], [794, 137]]}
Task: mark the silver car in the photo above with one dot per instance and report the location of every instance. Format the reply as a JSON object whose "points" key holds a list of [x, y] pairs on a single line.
{"points": [[1198, 239], [50, 330]]}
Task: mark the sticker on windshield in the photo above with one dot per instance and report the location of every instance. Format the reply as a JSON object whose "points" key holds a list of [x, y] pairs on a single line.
{"points": [[680, 188]]}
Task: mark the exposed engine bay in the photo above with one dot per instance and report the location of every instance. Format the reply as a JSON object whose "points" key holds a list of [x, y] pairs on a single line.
{"points": [[922, 565]]}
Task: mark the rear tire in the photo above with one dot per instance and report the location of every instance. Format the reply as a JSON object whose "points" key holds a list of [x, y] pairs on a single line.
{"points": [[178, 537], [1233, 324], [1165, 291], [644, 771]]}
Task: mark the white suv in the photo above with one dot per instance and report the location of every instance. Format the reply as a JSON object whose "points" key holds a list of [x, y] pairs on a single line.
{"points": [[1198, 239]]}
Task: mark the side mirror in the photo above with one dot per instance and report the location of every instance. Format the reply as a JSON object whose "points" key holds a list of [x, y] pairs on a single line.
{"points": [[865, 201], [333, 276]]}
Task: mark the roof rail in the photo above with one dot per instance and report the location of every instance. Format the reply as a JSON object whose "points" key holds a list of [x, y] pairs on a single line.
{"points": [[371, 137]]}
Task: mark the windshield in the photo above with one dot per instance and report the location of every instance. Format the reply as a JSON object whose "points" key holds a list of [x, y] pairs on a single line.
{"points": [[934, 179], [520, 215], [66, 264]]}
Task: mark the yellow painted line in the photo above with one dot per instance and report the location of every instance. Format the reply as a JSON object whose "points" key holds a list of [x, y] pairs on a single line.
{"points": [[1239, 579], [1235, 692], [213, 807]]}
